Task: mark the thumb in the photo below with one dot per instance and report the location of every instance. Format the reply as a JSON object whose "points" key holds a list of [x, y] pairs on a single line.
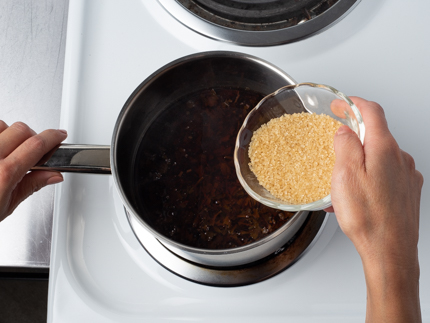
{"points": [[32, 182], [348, 149], [349, 160]]}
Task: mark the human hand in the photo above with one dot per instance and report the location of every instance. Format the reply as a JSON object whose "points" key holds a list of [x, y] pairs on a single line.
{"points": [[20, 149], [375, 195]]}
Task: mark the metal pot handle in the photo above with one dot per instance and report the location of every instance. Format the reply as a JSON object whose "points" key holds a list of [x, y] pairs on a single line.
{"points": [[93, 159]]}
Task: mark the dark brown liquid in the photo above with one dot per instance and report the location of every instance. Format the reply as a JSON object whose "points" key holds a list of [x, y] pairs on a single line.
{"points": [[186, 179]]}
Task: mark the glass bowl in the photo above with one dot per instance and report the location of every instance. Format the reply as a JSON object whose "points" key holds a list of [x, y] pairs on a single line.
{"points": [[303, 97]]}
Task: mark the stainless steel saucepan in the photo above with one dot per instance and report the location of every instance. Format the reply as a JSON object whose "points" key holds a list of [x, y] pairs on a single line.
{"points": [[167, 85]]}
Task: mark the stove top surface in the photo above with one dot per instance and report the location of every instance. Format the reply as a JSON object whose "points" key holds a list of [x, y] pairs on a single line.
{"points": [[99, 270]]}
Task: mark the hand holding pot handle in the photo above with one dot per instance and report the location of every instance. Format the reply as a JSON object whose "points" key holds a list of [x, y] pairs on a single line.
{"points": [[376, 194], [20, 149]]}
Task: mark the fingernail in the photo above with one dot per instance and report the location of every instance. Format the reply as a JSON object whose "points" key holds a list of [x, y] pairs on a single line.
{"points": [[54, 180], [342, 130], [63, 131]]}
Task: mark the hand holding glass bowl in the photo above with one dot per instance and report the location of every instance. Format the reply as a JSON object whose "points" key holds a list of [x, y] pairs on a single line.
{"points": [[298, 98]]}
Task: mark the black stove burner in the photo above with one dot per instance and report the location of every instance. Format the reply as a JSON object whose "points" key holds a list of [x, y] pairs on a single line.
{"points": [[258, 22], [252, 273], [257, 14]]}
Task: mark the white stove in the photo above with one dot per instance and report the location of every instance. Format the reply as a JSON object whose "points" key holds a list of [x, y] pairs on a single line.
{"points": [[99, 270]]}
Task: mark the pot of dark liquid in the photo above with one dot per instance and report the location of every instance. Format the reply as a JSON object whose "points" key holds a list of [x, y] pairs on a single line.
{"points": [[171, 158]]}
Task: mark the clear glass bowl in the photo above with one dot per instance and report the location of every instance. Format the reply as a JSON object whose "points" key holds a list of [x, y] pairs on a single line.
{"points": [[303, 97]]}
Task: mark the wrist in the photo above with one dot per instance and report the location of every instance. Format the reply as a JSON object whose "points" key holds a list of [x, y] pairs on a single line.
{"points": [[383, 275], [392, 291]]}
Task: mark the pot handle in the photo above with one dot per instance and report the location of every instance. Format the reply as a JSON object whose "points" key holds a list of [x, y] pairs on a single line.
{"points": [[94, 159]]}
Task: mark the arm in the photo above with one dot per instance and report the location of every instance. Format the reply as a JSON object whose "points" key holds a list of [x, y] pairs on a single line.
{"points": [[20, 149], [376, 197]]}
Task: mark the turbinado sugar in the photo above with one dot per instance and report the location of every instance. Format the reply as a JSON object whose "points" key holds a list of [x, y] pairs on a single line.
{"points": [[293, 156]]}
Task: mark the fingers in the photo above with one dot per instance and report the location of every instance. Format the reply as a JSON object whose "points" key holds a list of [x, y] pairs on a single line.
{"points": [[410, 164], [20, 149], [373, 117], [349, 163], [338, 107], [13, 136], [378, 142], [27, 154], [372, 113], [32, 182], [329, 209], [3, 126], [348, 149]]}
